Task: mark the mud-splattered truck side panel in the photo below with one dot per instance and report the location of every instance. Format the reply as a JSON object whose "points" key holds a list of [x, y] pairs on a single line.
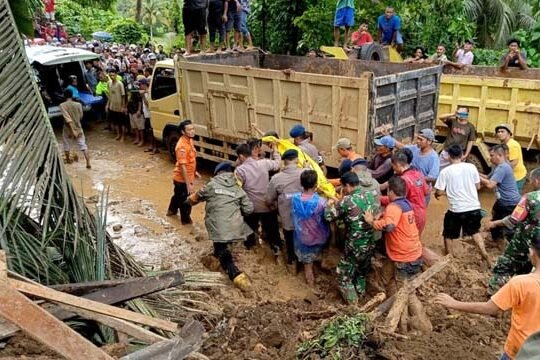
{"points": [[228, 95]]}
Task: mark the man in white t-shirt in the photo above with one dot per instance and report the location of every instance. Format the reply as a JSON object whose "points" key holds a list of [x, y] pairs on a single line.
{"points": [[463, 56], [461, 182]]}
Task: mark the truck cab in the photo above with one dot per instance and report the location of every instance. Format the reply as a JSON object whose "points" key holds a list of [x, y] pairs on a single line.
{"points": [[164, 104]]}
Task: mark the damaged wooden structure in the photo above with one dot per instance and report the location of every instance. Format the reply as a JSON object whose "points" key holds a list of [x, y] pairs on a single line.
{"points": [[405, 303], [43, 322]]}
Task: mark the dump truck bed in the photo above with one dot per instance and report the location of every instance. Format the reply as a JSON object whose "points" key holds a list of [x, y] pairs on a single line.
{"points": [[495, 97], [228, 95]]}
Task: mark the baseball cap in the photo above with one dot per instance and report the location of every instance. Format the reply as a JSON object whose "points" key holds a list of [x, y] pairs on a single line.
{"points": [[297, 130], [387, 141], [345, 166], [290, 154], [223, 166], [428, 134], [505, 127], [343, 143]]}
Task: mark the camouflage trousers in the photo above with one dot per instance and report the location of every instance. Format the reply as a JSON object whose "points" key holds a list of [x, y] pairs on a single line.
{"points": [[354, 267], [514, 261]]}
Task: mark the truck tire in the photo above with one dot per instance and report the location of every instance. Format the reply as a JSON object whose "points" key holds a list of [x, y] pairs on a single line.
{"points": [[373, 52], [477, 161], [171, 141]]}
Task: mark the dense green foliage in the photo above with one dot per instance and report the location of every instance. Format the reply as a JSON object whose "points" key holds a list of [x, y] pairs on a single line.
{"points": [[127, 31], [294, 26], [84, 19]]}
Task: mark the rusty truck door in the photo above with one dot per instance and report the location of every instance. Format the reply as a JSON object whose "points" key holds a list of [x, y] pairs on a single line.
{"points": [[406, 101]]}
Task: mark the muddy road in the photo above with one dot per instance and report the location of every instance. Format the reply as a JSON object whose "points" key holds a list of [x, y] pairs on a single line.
{"points": [[267, 325]]}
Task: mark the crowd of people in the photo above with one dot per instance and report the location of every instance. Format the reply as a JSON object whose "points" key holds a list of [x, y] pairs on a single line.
{"points": [[388, 33], [380, 207], [223, 19]]}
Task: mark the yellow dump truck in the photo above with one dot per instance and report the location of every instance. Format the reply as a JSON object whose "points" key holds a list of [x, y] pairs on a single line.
{"points": [[493, 97], [227, 96]]}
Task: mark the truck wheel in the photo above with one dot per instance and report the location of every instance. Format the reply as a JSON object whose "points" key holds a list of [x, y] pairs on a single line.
{"points": [[477, 162], [373, 52], [172, 139]]}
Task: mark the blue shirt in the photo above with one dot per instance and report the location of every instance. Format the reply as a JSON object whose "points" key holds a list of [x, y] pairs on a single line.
{"points": [[388, 26], [74, 91], [428, 165], [507, 193]]}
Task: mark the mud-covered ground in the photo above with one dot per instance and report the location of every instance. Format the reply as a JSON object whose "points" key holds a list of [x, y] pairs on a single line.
{"points": [[282, 311]]}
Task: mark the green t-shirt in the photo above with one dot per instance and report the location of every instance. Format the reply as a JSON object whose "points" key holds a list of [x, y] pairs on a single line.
{"points": [[345, 3]]}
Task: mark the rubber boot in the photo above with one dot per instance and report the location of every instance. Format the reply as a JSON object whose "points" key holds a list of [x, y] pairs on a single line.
{"points": [[242, 282]]}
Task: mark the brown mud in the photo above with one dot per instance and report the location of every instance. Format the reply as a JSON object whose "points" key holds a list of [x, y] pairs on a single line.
{"points": [[281, 311]]}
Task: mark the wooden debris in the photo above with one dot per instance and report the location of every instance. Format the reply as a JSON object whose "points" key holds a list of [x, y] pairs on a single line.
{"points": [[130, 288], [41, 325], [188, 341], [402, 299], [117, 324], [412, 286], [372, 302], [3, 267], [122, 291], [57, 296]]}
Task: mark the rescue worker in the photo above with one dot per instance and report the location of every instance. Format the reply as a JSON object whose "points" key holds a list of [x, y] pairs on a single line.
{"points": [[303, 139], [345, 150], [281, 188], [367, 182], [226, 205], [381, 165], [253, 174], [525, 220], [359, 238], [184, 173]]}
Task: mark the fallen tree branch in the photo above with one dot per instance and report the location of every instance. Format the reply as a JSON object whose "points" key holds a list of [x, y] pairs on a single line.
{"points": [[411, 286]]}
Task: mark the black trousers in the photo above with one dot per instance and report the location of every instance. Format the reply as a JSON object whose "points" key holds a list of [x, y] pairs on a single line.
{"points": [[289, 245], [178, 202], [270, 227], [500, 212], [222, 252]]}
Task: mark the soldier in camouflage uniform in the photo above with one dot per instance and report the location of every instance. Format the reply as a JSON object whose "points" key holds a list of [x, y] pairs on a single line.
{"points": [[525, 219], [359, 239]]}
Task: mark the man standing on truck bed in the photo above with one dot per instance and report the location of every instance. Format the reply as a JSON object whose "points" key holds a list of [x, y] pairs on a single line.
{"points": [[515, 156], [344, 17], [194, 18], [184, 173], [460, 132], [514, 57], [388, 26]]}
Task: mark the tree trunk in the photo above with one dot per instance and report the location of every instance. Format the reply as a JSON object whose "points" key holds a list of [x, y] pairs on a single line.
{"points": [[138, 10]]}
